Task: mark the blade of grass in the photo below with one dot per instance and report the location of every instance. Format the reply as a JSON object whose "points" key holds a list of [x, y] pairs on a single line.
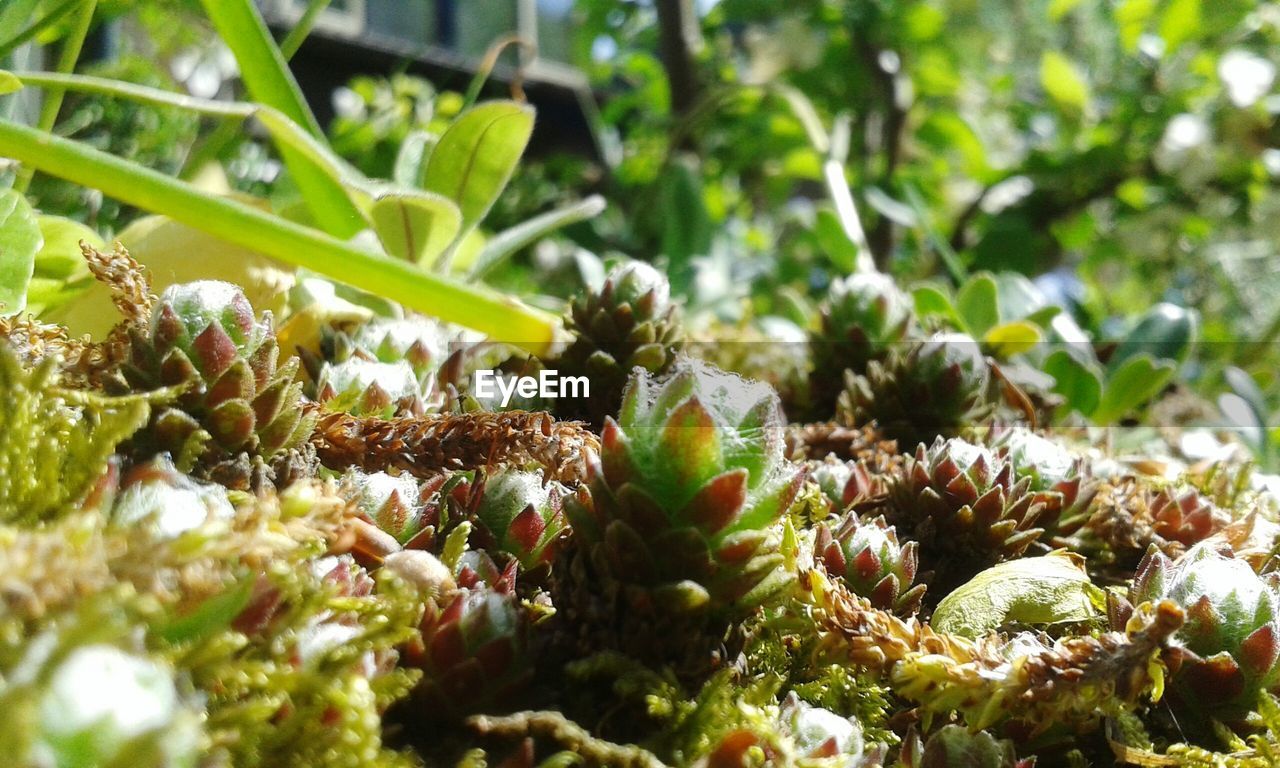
{"points": [[267, 77], [53, 16], [13, 15], [283, 131], [508, 241], [501, 317], [67, 58], [298, 35]]}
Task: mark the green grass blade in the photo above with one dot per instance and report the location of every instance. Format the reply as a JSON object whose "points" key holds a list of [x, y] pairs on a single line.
{"points": [[284, 131], [267, 77], [508, 241], [262, 68], [298, 35], [53, 16], [67, 58], [501, 317]]}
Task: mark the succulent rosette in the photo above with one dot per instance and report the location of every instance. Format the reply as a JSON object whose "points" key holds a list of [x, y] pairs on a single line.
{"points": [[922, 390], [1228, 651], [235, 399], [865, 316], [872, 562], [688, 489], [629, 322]]}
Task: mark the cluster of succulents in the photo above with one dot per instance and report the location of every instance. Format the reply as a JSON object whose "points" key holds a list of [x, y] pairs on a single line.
{"points": [[631, 321], [210, 559]]}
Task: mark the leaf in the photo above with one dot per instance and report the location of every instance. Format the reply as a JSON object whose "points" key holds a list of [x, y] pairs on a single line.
{"points": [[1020, 298], [687, 228], [1131, 18], [977, 303], [269, 82], [476, 156], [415, 226], [411, 159], [212, 615], [502, 317], [286, 134], [1136, 382], [1179, 23], [508, 241], [60, 256], [20, 240], [1031, 591], [1076, 382], [1009, 339], [9, 83], [1060, 8], [1165, 332], [932, 302], [835, 244], [1063, 82], [805, 112], [176, 253], [60, 272]]}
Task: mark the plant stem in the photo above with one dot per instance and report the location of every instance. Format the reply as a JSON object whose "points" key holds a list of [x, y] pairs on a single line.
{"points": [[502, 317], [52, 104]]}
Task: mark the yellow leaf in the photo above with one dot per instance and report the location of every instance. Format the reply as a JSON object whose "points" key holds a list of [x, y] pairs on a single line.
{"points": [[1014, 338], [1063, 82]]}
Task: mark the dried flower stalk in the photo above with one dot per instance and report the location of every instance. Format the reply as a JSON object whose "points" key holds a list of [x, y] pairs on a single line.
{"points": [[427, 445]]}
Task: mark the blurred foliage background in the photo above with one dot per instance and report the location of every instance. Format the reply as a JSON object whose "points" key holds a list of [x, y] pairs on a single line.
{"points": [[1117, 154]]}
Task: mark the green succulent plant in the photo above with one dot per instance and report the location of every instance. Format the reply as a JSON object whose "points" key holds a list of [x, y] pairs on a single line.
{"points": [[473, 648], [1228, 651], [865, 317], [629, 322], [922, 390], [238, 410], [519, 513], [688, 490], [872, 562], [968, 508]]}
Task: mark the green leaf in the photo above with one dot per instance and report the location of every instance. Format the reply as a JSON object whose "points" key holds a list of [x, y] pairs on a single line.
{"points": [[1075, 381], [1179, 23], [210, 616], [508, 241], [1165, 332], [284, 132], [977, 303], [833, 241], [61, 273], [411, 159], [1034, 591], [9, 83], [1136, 382], [1009, 339], [931, 301], [1131, 17], [269, 82], [805, 112], [476, 156], [687, 229], [502, 317], [415, 226], [1063, 82], [59, 257], [1060, 8], [20, 240], [1019, 297]]}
